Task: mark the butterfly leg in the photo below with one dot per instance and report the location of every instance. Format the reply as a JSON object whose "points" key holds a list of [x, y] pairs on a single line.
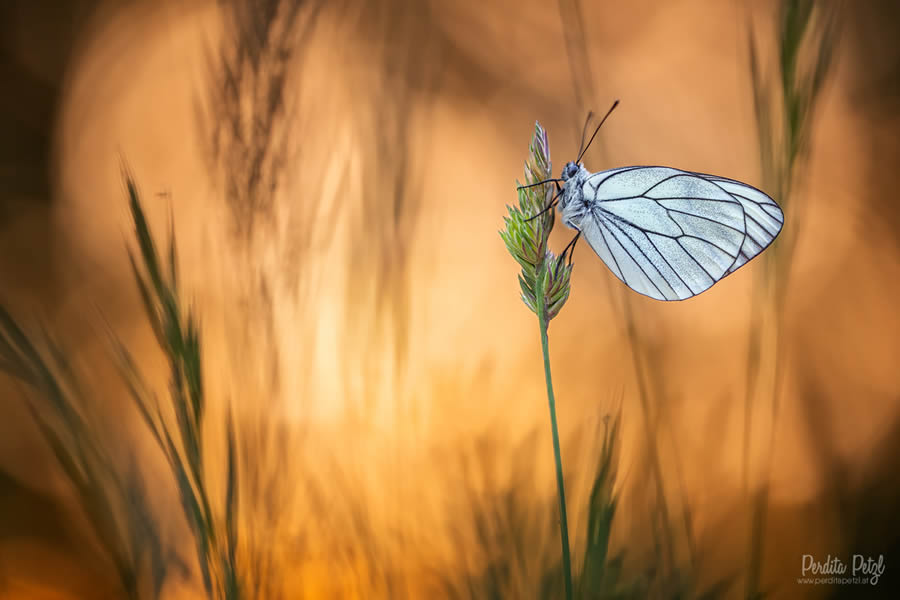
{"points": [[570, 249], [550, 205]]}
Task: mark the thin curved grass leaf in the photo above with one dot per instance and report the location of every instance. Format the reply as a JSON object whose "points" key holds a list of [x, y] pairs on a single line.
{"points": [[173, 257], [150, 309], [192, 510], [140, 392], [231, 489], [144, 238]]}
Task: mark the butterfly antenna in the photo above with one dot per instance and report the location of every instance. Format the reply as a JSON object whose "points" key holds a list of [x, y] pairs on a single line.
{"points": [[587, 122], [581, 154]]}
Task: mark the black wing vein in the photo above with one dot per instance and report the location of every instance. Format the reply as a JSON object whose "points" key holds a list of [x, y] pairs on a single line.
{"points": [[647, 258], [605, 222]]}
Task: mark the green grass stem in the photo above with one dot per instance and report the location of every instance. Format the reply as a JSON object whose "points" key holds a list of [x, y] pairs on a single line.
{"points": [[557, 454]]}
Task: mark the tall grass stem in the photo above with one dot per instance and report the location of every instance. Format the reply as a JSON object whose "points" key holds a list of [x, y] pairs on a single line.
{"points": [[557, 454]]}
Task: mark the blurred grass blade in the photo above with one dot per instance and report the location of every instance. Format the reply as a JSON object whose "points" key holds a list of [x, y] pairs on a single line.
{"points": [[116, 512], [231, 499], [785, 100], [179, 339]]}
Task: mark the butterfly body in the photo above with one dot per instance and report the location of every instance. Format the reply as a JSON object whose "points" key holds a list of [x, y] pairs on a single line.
{"points": [[666, 233]]}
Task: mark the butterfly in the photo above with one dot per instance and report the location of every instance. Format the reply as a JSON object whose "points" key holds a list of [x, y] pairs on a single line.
{"points": [[666, 233]]}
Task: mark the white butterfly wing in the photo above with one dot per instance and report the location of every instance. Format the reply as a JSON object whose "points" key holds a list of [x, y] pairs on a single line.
{"points": [[672, 234]]}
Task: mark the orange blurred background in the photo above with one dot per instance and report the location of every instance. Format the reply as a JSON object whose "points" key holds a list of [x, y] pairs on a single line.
{"points": [[356, 299]]}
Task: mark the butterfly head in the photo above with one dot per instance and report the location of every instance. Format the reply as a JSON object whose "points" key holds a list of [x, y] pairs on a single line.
{"points": [[569, 171]]}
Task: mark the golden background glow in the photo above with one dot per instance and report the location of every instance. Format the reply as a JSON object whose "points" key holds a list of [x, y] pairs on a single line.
{"points": [[374, 318]]}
